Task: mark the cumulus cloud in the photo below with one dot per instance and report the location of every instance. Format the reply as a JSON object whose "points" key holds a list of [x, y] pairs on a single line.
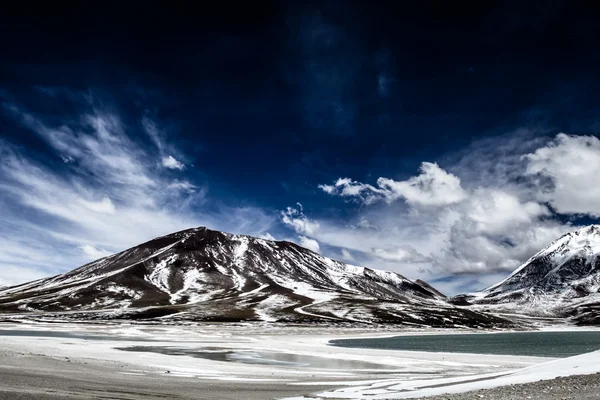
{"points": [[310, 244], [171, 163], [346, 187], [480, 217], [492, 211], [295, 218], [432, 187], [566, 171]]}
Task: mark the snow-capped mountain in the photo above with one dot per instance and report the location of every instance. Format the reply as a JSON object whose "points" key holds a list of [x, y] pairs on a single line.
{"points": [[201, 274], [562, 278]]}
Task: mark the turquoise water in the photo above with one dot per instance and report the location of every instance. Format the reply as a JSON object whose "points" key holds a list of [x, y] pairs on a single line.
{"points": [[538, 344]]}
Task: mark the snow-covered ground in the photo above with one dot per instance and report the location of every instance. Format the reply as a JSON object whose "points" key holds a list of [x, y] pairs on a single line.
{"points": [[281, 353], [401, 389]]}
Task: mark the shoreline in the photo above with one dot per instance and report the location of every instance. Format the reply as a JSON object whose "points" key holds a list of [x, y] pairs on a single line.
{"points": [[398, 370], [573, 387]]}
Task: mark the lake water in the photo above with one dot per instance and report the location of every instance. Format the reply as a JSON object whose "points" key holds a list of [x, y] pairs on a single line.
{"points": [[259, 357], [538, 344]]}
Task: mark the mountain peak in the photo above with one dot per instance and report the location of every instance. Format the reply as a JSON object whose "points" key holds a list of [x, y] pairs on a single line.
{"points": [[585, 239], [207, 275], [568, 269], [587, 231]]}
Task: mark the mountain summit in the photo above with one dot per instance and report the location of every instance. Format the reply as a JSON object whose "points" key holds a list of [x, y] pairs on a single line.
{"points": [[562, 278], [206, 275]]}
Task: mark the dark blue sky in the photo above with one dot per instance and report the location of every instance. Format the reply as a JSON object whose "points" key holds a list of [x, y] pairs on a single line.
{"points": [[261, 103]]}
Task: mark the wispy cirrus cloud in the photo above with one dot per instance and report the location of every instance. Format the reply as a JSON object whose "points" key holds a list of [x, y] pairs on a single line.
{"points": [[105, 194], [165, 149], [94, 253]]}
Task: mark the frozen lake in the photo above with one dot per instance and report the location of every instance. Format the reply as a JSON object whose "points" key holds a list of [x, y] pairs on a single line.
{"points": [[537, 344], [261, 357], [258, 361], [66, 335]]}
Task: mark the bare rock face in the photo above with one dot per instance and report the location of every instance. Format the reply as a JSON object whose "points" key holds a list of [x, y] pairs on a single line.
{"points": [[561, 280], [205, 275]]}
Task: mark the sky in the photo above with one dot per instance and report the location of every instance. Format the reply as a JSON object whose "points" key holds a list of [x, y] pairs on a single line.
{"points": [[447, 142]]}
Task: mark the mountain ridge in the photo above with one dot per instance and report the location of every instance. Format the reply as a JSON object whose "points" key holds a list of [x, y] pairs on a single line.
{"points": [[563, 279], [201, 274], [207, 275]]}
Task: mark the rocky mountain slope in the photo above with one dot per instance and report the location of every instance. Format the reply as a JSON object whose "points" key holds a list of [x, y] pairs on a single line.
{"points": [[206, 275], [562, 279]]}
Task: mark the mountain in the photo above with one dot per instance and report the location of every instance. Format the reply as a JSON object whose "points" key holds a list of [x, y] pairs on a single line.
{"points": [[205, 275], [563, 280]]}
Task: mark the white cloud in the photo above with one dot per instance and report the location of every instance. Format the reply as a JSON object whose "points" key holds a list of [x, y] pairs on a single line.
{"points": [[267, 236], [347, 256], [365, 224], [185, 186], [158, 137], [494, 211], [346, 187], [310, 244], [400, 255], [16, 274], [112, 198], [478, 222], [171, 163], [296, 219], [105, 205], [566, 171], [153, 132], [432, 187], [94, 253]]}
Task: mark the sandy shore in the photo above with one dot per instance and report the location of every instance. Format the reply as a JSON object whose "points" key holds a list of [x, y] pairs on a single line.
{"points": [[577, 387], [78, 361], [24, 376]]}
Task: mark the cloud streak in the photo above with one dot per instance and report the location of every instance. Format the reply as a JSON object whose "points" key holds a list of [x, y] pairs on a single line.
{"points": [[108, 196]]}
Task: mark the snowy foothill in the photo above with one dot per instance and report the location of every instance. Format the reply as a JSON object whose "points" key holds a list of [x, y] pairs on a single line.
{"points": [[283, 355]]}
